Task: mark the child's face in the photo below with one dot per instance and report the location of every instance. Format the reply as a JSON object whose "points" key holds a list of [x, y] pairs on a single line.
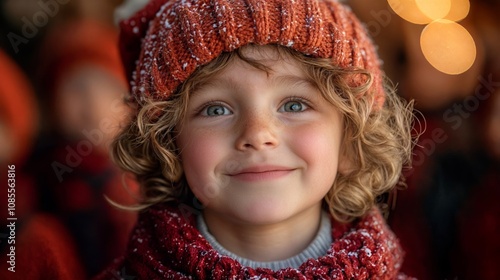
{"points": [[259, 148], [90, 99]]}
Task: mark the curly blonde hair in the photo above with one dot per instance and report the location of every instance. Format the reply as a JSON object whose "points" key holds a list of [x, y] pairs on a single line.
{"points": [[378, 141]]}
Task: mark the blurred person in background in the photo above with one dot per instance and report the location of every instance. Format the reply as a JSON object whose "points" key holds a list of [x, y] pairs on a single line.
{"points": [[19, 113], [25, 23], [34, 245], [84, 87], [18, 126], [68, 49], [452, 168]]}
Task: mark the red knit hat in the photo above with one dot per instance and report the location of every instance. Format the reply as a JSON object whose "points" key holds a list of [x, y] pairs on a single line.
{"points": [[166, 41]]}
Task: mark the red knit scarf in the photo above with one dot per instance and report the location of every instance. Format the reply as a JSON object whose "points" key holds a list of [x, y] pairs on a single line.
{"points": [[166, 245]]}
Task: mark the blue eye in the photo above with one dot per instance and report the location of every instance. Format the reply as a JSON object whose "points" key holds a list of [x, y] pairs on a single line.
{"points": [[215, 110], [293, 106]]}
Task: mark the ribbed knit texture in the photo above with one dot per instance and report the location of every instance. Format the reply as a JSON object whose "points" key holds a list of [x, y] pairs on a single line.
{"points": [[163, 44], [167, 245], [317, 248]]}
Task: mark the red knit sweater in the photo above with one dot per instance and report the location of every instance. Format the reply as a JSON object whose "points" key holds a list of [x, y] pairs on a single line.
{"points": [[166, 245]]}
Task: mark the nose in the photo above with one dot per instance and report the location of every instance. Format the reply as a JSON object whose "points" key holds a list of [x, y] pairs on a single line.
{"points": [[257, 133]]}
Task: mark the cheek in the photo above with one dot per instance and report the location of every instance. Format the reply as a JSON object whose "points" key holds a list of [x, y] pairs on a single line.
{"points": [[201, 152], [319, 146]]}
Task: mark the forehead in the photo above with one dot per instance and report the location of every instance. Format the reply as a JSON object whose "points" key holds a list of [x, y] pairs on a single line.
{"points": [[268, 54], [264, 60]]}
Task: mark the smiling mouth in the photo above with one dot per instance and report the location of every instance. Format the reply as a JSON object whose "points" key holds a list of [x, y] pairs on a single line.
{"points": [[261, 173]]}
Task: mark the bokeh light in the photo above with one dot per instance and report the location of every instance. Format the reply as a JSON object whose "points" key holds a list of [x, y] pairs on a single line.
{"points": [[434, 9], [408, 10], [459, 10], [448, 47]]}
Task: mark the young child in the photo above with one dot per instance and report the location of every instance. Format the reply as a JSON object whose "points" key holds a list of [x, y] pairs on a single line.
{"points": [[262, 137]]}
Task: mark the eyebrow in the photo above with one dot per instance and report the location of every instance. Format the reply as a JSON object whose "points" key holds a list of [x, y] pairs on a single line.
{"points": [[219, 82], [291, 81]]}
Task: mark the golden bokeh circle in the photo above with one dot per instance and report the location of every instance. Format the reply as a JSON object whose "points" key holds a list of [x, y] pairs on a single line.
{"points": [[408, 10], [448, 46], [434, 9]]}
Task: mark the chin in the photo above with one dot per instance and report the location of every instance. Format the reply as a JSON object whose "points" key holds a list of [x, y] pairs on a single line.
{"points": [[264, 212]]}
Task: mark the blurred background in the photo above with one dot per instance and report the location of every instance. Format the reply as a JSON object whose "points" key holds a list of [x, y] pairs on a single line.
{"points": [[62, 95], [62, 91]]}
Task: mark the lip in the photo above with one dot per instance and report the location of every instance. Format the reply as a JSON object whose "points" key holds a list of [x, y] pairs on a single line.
{"points": [[261, 173]]}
